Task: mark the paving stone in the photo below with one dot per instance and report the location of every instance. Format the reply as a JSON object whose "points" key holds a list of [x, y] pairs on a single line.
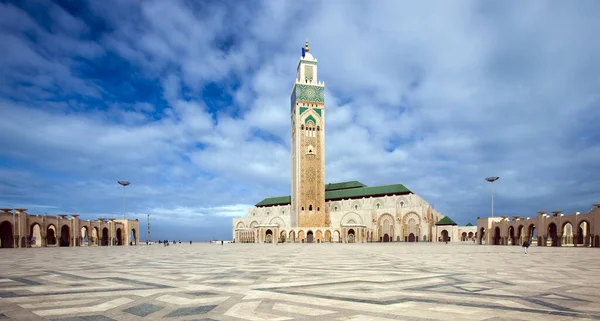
{"points": [[143, 310], [191, 311]]}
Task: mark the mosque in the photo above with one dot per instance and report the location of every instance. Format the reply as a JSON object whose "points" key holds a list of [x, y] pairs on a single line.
{"points": [[346, 212]]}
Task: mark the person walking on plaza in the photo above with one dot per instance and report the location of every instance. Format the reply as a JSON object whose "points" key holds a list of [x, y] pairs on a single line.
{"points": [[525, 246]]}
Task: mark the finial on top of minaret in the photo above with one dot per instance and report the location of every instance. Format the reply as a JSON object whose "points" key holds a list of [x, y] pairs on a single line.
{"points": [[306, 46]]}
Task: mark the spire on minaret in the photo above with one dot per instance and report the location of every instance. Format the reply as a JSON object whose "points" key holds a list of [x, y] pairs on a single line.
{"points": [[306, 46]]}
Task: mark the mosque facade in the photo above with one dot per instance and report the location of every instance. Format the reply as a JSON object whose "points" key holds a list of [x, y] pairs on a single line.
{"points": [[346, 212]]}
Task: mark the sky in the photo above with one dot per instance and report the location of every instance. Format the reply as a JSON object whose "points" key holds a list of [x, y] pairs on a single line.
{"points": [[189, 100]]}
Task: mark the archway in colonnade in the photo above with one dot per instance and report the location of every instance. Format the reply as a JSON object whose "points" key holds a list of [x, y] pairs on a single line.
{"points": [[463, 237], [104, 241], [310, 237], [65, 235], [133, 237], [6, 235], [532, 234], [319, 236], [351, 236], [301, 236], [282, 237], [470, 236], [328, 236], [119, 237], [95, 236], [336, 236], [512, 239], [51, 235], [269, 236], [583, 233], [481, 236], [35, 235], [520, 234], [85, 236], [292, 237], [567, 234], [497, 236], [552, 234]]}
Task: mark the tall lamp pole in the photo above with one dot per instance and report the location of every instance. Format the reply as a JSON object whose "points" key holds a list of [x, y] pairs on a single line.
{"points": [[492, 180], [124, 184]]}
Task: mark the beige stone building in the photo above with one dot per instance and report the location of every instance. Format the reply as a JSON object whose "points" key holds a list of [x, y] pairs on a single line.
{"points": [[341, 212], [20, 229], [554, 229]]}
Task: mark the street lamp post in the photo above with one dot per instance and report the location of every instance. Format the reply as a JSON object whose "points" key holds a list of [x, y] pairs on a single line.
{"points": [[124, 184], [492, 180]]}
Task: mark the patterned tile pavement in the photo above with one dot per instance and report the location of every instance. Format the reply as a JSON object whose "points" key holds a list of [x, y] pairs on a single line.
{"points": [[393, 281]]}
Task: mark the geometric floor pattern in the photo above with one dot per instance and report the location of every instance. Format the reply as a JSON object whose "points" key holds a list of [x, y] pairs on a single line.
{"points": [[390, 281]]}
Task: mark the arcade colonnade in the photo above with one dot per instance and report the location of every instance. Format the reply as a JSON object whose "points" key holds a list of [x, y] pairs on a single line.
{"points": [[547, 229], [20, 229], [274, 233]]}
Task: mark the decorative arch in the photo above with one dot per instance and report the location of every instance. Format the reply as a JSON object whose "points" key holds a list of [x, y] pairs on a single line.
{"points": [[402, 202], [336, 206], [328, 236], [240, 225], [253, 224], [412, 215], [356, 206], [35, 235], [278, 221], [310, 118], [378, 201], [292, 237], [351, 216]]}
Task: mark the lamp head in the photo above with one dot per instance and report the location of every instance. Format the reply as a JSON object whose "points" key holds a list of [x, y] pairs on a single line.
{"points": [[124, 183], [492, 179]]}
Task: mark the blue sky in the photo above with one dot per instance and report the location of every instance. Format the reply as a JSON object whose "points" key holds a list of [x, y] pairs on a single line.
{"points": [[189, 101]]}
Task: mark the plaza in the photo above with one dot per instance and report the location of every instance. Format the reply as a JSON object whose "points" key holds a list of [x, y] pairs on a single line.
{"points": [[292, 281]]}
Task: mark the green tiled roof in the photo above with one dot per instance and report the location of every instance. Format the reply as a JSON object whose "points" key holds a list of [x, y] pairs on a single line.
{"points": [[343, 185], [469, 224], [446, 221], [279, 200], [341, 192]]}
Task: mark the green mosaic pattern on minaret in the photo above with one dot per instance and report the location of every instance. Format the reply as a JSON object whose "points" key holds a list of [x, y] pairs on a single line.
{"points": [[303, 109], [310, 93], [309, 118], [318, 110]]}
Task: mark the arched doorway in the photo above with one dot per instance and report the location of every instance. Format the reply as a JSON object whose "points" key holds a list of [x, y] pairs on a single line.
{"points": [[532, 234], [35, 235], [292, 237], [336, 236], [583, 233], [411, 237], [470, 236], [463, 236], [553, 234], [319, 236], [511, 236], [445, 237], [310, 237], [85, 237], [482, 236], [497, 236], [51, 235], [567, 234], [65, 236], [386, 238], [328, 236], [119, 237], [350, 236], [104, 237], [95, 236], [6, 235], [520, 234], [269, 236], [282, 237], [133, 237]]}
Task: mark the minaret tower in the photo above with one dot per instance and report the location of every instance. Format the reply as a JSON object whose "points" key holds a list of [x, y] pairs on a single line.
{"points": [[308, 145]]}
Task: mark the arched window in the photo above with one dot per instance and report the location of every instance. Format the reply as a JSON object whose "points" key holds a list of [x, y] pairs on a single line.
{"points": [[303, 208], [356, 207], [318, 128], [302, 126], [310, 207], [401, 204], [378, 205], [318, 209], [335, 208]]}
